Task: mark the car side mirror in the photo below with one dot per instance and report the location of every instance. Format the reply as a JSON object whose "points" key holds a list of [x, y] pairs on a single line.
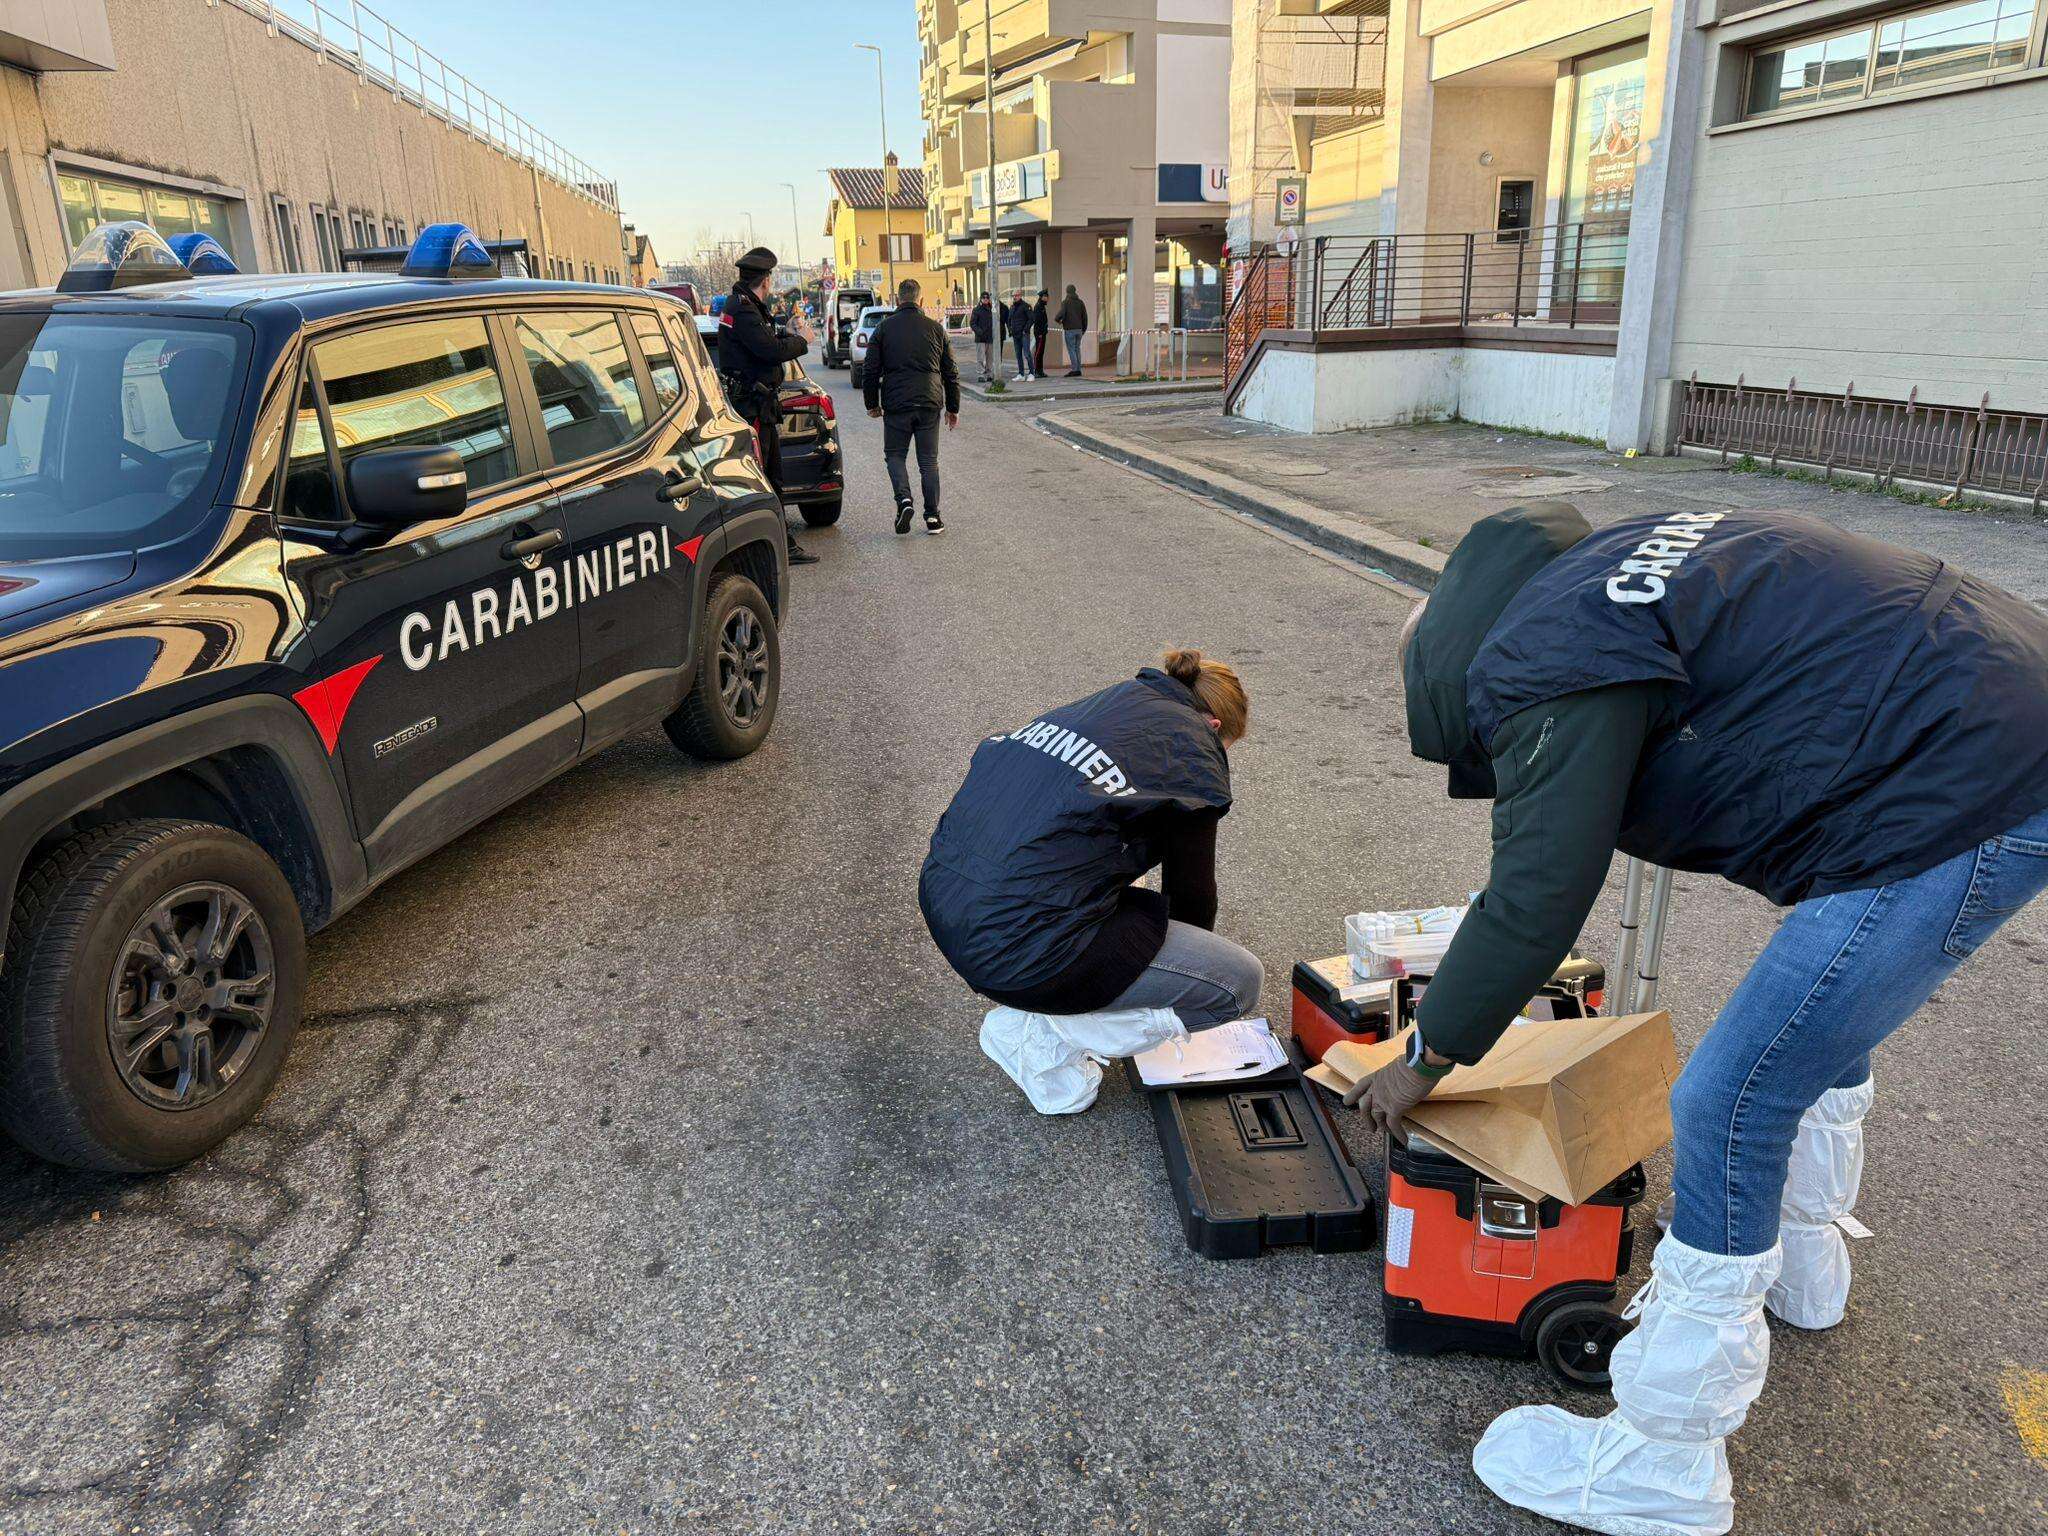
{"points": [[397, 487]]}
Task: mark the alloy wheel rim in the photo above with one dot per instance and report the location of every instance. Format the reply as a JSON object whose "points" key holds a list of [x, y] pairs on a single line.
{"points": [[743, 667], [193, 991]]}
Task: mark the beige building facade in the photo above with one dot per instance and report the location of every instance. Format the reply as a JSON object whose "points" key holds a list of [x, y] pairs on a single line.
{"points": [[288, 148], [1110, 131], [1805, 230]]}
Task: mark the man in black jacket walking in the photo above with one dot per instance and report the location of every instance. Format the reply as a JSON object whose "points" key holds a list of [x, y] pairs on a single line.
{"points": [[983, 324], [751, 356], [909, 381]]}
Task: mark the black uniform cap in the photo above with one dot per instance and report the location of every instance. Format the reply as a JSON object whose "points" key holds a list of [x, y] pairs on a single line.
{"points": [[760, 259]]}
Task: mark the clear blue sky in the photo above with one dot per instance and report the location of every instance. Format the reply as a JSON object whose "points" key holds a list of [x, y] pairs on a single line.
{"points": [[699, 109]]}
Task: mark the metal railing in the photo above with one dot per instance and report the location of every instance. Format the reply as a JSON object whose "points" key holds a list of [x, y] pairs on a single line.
{"points": [[359, 39], [1959, 446], [1262, 293], [1561, 275]]}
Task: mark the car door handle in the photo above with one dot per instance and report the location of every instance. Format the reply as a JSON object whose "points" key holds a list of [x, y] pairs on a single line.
{"points": [[681, 487], [532, 544]]}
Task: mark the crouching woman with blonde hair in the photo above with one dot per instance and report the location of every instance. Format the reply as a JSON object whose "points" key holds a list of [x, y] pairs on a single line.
{"points": [[1029, 889]]}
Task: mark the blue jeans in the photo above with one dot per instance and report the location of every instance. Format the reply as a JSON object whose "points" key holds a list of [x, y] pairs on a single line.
{"points": [[1074, 349], [1841, 973], [1201, 976]]}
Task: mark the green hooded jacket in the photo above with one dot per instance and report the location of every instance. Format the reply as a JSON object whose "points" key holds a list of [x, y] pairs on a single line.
{"points": [[1558, 774]]}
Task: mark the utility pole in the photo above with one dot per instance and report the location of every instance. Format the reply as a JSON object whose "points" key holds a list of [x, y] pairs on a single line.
{"points": [[988, 116], [888, 190]]}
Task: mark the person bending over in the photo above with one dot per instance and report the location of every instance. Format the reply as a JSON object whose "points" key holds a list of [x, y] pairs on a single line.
{"points": [[1857, 731], [1029, 889]]}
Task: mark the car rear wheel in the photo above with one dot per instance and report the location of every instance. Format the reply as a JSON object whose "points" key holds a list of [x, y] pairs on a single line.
{"points": [[731, 706], [821, 514], [155, 972]]}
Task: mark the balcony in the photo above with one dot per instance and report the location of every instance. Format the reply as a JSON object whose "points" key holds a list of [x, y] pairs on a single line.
{"points": [[963, 147], [1021, 28]]}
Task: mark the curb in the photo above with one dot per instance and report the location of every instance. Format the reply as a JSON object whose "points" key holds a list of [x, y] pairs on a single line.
{"points": [[1387, 553], [1096, 392]]}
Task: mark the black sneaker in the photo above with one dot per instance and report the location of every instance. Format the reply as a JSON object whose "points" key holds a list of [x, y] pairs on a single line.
{"points": [[798, 555], [932, 522], [904, 512]]}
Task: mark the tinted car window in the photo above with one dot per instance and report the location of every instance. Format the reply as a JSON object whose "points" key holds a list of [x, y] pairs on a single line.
{"points": [[660, 356], [425, 384], [112, 430], [308, 479], [588, 400]]}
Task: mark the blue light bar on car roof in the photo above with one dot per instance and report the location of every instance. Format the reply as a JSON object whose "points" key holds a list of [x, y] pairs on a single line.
{"points": [[123, 255], [448, 250], [202, 255]]}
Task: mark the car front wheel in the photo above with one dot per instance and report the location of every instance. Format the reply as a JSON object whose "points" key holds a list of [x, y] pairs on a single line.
{"points": [[731, 705], [155, 972]]}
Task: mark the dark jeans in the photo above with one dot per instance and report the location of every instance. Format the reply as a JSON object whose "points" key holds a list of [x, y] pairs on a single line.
{"points": [[1023, 340], [898, 428]]}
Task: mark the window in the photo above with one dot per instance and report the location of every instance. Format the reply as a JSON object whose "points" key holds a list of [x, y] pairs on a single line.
{"points": [[287, 235], [431, 383], [89, 201], [659, 353], [308, 473], [906, 248], [112, 431], [355, 230], [1916, 48], [324, 241], [584, 380]]}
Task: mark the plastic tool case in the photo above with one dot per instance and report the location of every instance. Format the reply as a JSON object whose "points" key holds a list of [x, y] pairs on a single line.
{"points": [[1330, 1005], [1472, 1265], [1256, 1164]]}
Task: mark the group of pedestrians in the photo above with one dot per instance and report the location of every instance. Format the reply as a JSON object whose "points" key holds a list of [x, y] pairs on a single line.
{"points": [[909, 381], [1025, 327]]}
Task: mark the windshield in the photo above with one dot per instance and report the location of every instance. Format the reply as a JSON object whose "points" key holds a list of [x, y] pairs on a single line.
{"points": [[112, 428]]}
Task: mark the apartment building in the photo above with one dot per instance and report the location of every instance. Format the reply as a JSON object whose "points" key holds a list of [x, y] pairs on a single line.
{"points": [[1092, 136], [289, 144], [1801, 229], [875, 222]]}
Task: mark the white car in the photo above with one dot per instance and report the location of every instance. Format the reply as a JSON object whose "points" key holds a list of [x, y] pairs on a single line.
{"points": [[863, 333]]}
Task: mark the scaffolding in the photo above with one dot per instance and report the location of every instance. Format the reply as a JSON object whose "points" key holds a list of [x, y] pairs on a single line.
{"points": [[1314, 68]]}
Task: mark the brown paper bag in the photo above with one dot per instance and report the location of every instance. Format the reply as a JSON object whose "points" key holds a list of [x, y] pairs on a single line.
{"points": [[1559, 1108]]}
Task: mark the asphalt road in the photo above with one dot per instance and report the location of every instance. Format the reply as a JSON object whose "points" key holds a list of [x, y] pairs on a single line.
{"points": [[637, 1170]]}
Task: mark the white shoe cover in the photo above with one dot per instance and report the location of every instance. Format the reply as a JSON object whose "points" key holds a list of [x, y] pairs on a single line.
{"points": [[1053, 1057], [1821, 1184], [1683, 1382]]}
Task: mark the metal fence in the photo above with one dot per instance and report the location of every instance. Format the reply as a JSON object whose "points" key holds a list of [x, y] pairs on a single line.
{"points": [[361, 40], [1962, 447], [1560, 275]]}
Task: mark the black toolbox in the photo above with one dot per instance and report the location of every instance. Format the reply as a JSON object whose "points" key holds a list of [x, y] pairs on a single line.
{"points": [[1256, 1164]]}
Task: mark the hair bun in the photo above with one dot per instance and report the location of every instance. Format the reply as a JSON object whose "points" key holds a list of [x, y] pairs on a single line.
{"points": [[1182, 665]]}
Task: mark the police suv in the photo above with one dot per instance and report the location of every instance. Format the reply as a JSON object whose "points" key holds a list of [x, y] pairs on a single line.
{"points": [[301, 577]]}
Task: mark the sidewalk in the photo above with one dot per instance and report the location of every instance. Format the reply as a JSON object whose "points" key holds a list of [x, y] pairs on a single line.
{"points": [[1097, 382], [1399, 498]]}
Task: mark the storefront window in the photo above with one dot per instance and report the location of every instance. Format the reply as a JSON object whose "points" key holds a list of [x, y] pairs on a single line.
{"points": [[1600, 178], [90, 201]]}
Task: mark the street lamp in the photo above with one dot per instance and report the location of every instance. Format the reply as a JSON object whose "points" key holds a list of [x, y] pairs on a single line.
{"points": [[888, 192], [988, 118], [796, 229]]}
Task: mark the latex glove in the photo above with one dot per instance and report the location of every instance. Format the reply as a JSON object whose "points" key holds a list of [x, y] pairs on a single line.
{"points": [[1388, 1094]]}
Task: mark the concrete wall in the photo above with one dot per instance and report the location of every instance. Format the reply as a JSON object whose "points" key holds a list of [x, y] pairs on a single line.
{"points": [[204, 94], [1511, 125], [1345, 181], [1895, 244], [1332, 391]]}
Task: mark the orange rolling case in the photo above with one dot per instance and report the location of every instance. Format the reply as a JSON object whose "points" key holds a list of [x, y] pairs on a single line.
{"points": [[1471, 1265]]}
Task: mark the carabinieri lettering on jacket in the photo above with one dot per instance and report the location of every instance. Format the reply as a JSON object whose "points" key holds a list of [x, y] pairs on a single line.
{"points": [[1078, 753], [1659, 557]]}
